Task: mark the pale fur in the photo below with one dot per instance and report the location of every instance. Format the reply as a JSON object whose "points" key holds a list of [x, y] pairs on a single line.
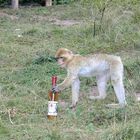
{"points": [[102, 66]]}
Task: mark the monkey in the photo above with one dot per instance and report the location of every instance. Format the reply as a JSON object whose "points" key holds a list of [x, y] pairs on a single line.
{"points": [[101, 66]]}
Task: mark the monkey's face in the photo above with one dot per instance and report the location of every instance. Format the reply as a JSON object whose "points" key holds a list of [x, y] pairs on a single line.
{"points": [[63, 56], [61, 62]]}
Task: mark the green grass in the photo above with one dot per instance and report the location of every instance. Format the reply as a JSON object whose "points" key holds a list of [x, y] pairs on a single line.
{"points": [[26, 67]]}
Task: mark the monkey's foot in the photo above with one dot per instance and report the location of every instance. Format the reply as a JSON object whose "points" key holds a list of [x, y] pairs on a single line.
{"points": [[96, 97], [73, 106], [114, 106]]}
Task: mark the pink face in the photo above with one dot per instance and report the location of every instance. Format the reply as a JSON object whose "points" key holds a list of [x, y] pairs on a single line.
{"points": [[61, 62]]}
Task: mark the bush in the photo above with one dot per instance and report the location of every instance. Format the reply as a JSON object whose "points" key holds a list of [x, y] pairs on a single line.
{"points": [[42, 2], [5, 2]]}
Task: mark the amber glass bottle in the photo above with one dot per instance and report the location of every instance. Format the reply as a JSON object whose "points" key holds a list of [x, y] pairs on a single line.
{"points": [[53, 101]]}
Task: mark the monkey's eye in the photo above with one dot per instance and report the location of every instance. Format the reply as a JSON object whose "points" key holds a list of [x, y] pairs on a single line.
{"points": [[57, 58], [61, 57]]}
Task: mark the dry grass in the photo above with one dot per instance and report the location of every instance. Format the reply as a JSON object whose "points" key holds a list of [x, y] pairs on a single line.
{"points": [[27, 45]]}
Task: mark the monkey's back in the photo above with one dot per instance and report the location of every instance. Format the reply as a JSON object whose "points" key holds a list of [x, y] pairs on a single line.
{"points": [[94, 64]]}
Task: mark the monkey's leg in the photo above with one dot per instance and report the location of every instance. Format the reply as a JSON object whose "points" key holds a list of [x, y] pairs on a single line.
{"points": [[119, 91], [101, 84], [75, 92]]}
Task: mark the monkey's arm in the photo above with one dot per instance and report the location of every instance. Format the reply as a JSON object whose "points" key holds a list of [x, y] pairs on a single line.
{"points": [[68, 81]]}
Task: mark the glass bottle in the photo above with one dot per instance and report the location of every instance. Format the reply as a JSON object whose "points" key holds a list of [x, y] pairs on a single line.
{"points": [[53, 101]]}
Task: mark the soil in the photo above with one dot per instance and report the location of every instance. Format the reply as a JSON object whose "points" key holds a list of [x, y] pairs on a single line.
{"points": [[8, 16]]}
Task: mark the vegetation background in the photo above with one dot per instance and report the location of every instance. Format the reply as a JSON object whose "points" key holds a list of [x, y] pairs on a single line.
{"points": [[30, 2], [29, 38]]}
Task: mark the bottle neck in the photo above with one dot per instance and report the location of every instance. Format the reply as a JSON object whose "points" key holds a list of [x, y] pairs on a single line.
{"points": [[54, 79]]}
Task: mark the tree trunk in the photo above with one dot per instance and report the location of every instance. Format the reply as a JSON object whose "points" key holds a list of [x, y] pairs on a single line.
{"points": [[48, 3], [15, 4]]}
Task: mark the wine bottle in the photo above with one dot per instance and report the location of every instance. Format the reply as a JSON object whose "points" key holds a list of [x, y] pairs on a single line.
{"points": [[53, 101]]}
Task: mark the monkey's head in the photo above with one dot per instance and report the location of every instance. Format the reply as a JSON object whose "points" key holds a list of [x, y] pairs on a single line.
{"points": [[63, 57]]}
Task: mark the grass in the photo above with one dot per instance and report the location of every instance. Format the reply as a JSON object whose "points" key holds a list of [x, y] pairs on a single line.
{"points": [[29, 38]]}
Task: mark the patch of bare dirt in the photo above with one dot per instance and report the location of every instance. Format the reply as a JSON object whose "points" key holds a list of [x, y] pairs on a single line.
{"points": [[8, 16], [65, 22], [58, 22]]}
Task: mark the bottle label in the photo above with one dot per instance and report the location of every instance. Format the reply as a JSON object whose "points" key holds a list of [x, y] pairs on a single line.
{"points": [[52, 108]]}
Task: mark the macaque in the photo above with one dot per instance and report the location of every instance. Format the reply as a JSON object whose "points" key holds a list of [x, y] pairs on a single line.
{"points": [[102, 66]]}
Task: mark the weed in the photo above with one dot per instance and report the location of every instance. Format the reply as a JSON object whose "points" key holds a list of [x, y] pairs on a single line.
{"points": [[29, 38]]}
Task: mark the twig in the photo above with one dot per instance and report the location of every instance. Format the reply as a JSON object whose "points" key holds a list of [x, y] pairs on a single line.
{"points": [[9, 115], [102, 12]]}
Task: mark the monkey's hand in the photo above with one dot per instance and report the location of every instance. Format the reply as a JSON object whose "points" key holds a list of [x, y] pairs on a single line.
{"points": [[55, 89]]}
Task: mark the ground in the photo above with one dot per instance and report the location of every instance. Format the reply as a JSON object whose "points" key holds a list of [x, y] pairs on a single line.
{"points": [[29, 39]]}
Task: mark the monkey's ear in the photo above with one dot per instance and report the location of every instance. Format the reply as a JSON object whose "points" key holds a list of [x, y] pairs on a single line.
{"points": [[70, 52]]}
